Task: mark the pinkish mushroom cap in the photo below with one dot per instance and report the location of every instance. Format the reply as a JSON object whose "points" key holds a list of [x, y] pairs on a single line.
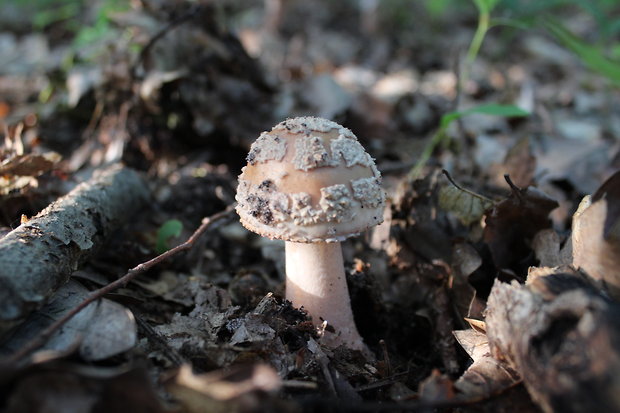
{"points": [[309, 180]]}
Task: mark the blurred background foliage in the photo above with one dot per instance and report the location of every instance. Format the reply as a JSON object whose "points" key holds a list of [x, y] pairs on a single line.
{"points": [[88, 23], [83, 21]]}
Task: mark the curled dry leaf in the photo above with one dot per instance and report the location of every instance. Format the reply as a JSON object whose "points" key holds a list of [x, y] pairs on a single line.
{"points": [[596, 235], [474, 342], [477, 325], [29, 164], [19, 171], [512, 223], [486, 375]]}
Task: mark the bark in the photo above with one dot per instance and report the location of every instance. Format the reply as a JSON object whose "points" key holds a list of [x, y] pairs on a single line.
{"points": [[563, 337], [39, 256]]}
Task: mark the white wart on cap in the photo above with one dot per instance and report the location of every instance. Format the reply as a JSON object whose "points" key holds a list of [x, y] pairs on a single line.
{"points": [[309, 180]]}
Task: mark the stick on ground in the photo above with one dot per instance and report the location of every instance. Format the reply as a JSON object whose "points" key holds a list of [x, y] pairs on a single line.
{"points": [[97, 294], [39, 256]]}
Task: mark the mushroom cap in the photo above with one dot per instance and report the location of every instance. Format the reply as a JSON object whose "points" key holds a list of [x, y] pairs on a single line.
{"points": [[309, 180]]}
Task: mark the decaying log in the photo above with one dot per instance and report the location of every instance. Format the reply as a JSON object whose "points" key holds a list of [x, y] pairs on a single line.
{"points": [[563, 337], [38, 257]]}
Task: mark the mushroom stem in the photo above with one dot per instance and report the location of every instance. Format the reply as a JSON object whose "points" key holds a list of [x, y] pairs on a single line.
{"points": [[315, 280]]}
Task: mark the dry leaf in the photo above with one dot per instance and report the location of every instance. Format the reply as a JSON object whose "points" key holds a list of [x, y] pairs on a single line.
{"points": [[486, 376], [546, 245], [28, 165], [596, 235], [239, 389], [520, 163], [103, 329], [474, 342], [477, 325], [468, 206], [18, 171], [436, 388], [251, 329], [512, 223], [562, 337], [465, 260]]}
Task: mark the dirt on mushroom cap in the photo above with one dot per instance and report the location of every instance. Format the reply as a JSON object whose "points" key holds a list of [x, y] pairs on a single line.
{"points": [[309, 180]]}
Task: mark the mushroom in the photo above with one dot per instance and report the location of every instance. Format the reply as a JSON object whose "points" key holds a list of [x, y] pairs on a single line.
{"points": [[310, 183]]}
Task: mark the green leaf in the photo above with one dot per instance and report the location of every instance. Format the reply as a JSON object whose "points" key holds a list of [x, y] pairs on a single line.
{"points": [[494, 109], [448, 118], [170, 229], [589, 54]]}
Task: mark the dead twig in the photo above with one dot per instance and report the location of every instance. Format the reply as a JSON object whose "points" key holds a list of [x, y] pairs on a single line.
{"points": [[130, 275], [386, 357], [465, 190]]}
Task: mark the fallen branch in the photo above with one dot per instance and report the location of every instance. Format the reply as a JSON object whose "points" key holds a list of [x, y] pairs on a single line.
{"points": [[562, 336], [131, 274], [39, 256]]}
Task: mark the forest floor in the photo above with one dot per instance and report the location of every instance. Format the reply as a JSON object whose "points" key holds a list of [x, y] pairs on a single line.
{"points": [[179, 90]]}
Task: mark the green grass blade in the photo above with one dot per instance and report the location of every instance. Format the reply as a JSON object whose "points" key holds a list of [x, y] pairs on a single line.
{"points": [[485, 6], [589, 54], [496, 109]]}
